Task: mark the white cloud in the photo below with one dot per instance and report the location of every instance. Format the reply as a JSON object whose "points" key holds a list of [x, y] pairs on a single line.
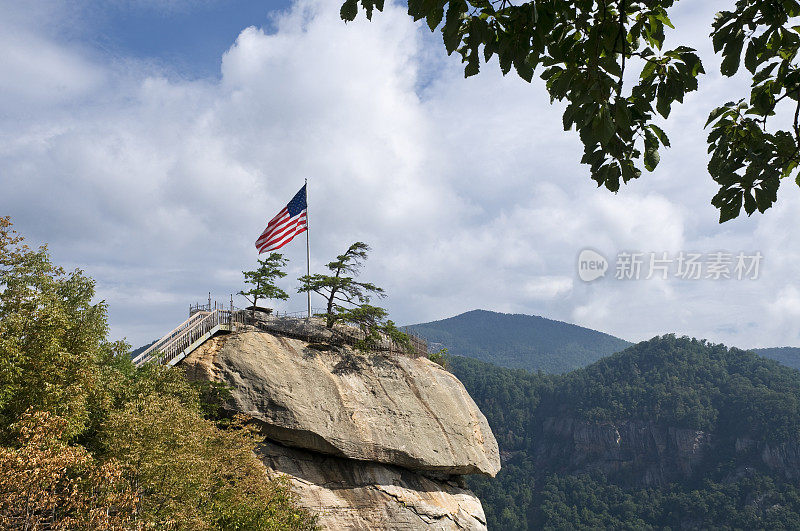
{"points": [[468, 190], [39, 73]]}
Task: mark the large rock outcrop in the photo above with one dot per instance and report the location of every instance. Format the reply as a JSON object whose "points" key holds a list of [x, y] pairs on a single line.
{"points": [[387, 409], [347, 494], [368, 440]]}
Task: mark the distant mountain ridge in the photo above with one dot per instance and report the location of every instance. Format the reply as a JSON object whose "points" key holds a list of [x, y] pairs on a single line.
{"points": [[520, 341], [141, 349], [789, 356]]}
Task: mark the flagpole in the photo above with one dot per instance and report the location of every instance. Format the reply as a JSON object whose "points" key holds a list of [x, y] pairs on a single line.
{"points": [[308, 251]]}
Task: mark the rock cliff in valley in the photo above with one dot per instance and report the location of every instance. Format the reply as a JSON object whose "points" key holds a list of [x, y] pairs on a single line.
{"points": [[367, 440], [645, 453], [648, 454]]}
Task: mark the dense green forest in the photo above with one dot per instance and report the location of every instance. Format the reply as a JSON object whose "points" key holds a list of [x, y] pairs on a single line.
{"points": [[520, 341], [673, 382]]}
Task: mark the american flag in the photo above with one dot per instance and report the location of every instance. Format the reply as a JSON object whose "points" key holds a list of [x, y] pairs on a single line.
{"points": [[289, 222]]}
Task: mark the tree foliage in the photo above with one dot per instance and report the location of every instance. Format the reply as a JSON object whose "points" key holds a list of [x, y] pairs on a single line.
{"points": [[374, 326], [189, 473], [585, 51], [789, 356], [87, 441], [748, 161], [51, 336], [342, 292], [688, 383], [348, 300], [46, 483], [440, 356], [263, 279]]}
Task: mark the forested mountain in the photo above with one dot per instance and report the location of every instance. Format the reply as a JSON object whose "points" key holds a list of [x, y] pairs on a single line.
{"points": [[789, 356], [670, 432], [520, 341]]}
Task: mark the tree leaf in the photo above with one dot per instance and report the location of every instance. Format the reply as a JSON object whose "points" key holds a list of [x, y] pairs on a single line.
{"points": [[662, 136], [651, 156], [662, 101], [732, 55], [751, 57], [349, 10], [435, 17]]}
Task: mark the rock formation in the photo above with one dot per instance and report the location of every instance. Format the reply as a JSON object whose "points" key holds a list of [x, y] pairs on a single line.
{"points": [[636, 452], [647, 454], [369, 441], [349, 494]]}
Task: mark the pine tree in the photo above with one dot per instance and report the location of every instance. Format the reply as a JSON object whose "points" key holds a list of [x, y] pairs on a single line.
{"points": [[348, 300], [263, 280], [341, 291]]}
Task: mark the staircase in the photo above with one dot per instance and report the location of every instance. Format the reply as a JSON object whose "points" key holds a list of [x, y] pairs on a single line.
{"points": [[190, 334]]}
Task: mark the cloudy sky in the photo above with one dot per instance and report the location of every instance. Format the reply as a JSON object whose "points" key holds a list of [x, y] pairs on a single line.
{"points": [[148, 142]]}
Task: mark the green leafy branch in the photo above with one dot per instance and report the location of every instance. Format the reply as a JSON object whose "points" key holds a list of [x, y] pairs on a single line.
{"points": [[582, 49], [747, 160]]}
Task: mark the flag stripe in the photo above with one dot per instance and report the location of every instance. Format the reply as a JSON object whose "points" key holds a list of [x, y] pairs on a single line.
{"points": [[288, 223], [287, 236], [281, 225], [278, 215], [283, 228], [281, 244], [289, 229], [283, 215]]}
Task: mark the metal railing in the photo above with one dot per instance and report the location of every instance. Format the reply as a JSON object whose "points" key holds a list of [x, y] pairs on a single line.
{"points": [[189, 335], [210, 307], [300, 314], [417, 347]]}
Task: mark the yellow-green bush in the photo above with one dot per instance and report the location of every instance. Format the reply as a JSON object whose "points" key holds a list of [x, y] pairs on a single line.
{"points": [[87, 441]]}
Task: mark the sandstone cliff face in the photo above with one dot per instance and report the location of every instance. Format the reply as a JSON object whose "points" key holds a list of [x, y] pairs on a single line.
{"points": [[783, 458], [648, 453], [369, 441], [349, 494]]}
